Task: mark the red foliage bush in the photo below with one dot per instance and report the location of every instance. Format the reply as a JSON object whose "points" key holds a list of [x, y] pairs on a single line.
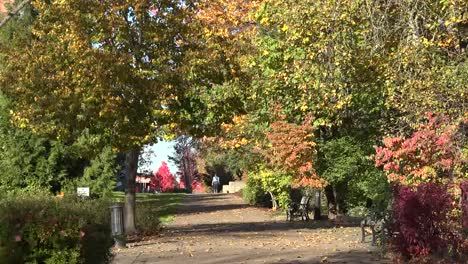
{"points": [[182, 184], [423, 224], [464, 204], [427, 223], [196, 185], [428, 155]]}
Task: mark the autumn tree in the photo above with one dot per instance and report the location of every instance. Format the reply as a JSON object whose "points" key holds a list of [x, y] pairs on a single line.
{"points": [[423, 48], [292, 150], [111, 69], [311, 58], [236, 147], [93, 67], [163, 180], [32, 161]]}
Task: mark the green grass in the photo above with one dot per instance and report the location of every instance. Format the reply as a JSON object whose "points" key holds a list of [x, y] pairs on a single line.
{"points": [[153, 209]]}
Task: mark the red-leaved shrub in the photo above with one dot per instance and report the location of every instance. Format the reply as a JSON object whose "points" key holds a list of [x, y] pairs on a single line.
{"points": [[196, 185], [423, 224], [430, 225], [429, 155], [464, 204]]}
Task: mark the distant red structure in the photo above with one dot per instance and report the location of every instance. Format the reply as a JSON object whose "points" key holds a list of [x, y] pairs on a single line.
{"points": [[143, 182]]}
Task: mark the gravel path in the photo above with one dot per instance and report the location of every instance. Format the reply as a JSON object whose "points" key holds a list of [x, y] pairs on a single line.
{"points": [[221, 228]]}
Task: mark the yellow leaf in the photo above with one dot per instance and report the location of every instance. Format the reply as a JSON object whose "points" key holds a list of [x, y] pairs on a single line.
{"points": [[264, 21]]}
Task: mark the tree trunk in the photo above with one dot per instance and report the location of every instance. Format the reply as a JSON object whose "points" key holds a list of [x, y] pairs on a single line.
{"points": [[339, 191], [317, 205], [332, 210], [130, 199], [186, 172], [335, 197]]}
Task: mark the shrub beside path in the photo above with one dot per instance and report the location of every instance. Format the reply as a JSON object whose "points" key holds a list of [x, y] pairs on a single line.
{"points": [[221, 228]]}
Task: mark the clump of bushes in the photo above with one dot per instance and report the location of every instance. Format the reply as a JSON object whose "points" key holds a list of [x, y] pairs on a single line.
{"points": [[45, 229], [268, 188], [275, 183], [358, 211], [426, 224], [254, 194]]}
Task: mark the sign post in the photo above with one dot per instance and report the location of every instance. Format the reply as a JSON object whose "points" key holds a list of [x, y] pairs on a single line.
{"points": [[82, 191]]}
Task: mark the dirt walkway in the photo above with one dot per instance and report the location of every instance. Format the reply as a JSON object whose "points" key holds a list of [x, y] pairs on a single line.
{"points": [[223, 229]]}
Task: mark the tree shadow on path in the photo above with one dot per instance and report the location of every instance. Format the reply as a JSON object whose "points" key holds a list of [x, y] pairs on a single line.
{"points": [[351, 257], [246, 227], [206, 203], [186, 209]]}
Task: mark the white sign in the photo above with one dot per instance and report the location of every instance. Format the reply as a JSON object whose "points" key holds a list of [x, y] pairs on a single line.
{"points": [[83, 191]]}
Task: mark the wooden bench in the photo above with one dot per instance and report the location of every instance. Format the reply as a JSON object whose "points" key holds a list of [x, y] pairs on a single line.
{"points": [[377, 225], [299, 209], [373, 225]]}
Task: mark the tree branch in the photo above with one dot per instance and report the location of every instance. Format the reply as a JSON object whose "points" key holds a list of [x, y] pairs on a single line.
{"points": [[14, 12]]}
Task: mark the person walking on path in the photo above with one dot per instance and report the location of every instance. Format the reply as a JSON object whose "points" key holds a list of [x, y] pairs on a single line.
{"points": [[215, 183]]}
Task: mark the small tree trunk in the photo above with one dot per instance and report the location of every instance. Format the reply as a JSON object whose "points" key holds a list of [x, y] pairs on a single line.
{"points": [[186, 172], [317, 205], [274, 202], [337, 204], [339, 191], [130, 199]]}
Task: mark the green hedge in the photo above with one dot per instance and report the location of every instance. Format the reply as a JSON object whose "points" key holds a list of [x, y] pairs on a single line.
{"points": [[44, 229]]}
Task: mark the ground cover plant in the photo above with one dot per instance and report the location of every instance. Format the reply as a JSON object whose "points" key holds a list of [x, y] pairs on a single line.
{"points": [[46, 229]]}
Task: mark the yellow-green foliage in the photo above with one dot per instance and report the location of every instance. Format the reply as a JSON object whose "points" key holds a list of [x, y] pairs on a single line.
{"points": [[276, 182]]}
